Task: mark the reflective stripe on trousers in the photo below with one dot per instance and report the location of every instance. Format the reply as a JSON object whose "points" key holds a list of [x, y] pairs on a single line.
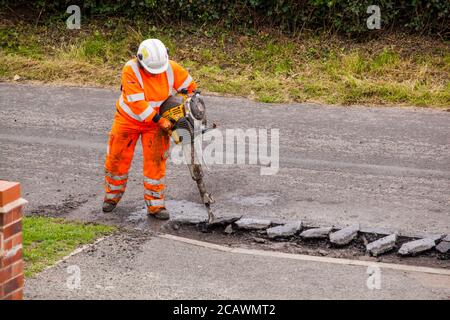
{"points": [[113, 187], [154, 194], [153, 182], [155, 203], [116, 178], [113, 196]]}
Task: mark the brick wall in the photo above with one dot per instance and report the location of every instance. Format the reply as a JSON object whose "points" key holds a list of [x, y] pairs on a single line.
{"points": [[11, 263]]}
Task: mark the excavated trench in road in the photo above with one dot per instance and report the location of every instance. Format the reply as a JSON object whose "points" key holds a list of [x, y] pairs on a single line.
{"points": [[252, 239], [258, 239]]}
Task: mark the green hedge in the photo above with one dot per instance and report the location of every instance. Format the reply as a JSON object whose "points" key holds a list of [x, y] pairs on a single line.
{"points": [[342, 16]]}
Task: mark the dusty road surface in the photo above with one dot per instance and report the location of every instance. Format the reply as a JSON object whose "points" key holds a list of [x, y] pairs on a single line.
{"points": [[382, 167], [134, 266]]}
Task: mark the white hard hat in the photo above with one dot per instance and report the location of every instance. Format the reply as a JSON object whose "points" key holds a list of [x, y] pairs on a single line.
{"points": [[152, 55]]}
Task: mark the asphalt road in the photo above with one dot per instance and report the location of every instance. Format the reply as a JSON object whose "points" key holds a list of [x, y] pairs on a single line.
{"points": [[132, 266], [382, 167]]}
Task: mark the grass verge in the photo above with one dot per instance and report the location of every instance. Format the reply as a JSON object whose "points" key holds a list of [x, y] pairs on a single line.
{"points": [[267, 66], [46, 240]]}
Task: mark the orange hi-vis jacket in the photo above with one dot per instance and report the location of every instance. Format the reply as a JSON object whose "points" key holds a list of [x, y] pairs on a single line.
{"points": [[143, 93]]}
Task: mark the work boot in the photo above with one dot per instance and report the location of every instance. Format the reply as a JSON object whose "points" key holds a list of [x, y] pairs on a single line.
{"points": [[108, 206], [162, 214]]}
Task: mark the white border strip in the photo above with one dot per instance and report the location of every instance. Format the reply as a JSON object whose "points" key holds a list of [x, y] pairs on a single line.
{"points": [[303, 257]]}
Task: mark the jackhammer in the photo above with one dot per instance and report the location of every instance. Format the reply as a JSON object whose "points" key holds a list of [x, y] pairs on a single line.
{"points": [[188, 116]]}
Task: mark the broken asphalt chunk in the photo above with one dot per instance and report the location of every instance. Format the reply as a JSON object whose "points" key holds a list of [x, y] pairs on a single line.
{"points": [[223, 221], [443, 246], [437, 237], [416, 246], [286, 230], [229, 229], [188, 220], [345, 235], [255, 224], [316, 233], [382, 245]]}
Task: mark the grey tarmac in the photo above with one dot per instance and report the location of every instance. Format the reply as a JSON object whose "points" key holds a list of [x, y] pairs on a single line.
{"points": [[132, 266], [385, 168], [381, 167]]}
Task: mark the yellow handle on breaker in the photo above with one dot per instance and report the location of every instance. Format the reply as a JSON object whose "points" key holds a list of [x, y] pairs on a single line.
{"points": [[175, 136]]}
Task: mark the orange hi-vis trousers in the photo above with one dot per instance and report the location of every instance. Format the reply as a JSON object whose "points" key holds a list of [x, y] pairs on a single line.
{"points": [[122, 141]]}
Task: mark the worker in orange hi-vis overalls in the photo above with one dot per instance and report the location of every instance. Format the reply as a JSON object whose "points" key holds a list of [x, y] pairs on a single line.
{"points": [[147, 81]]}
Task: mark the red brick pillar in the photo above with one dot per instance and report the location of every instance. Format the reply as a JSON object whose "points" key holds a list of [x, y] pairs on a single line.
{"points": [[11, 263]]}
